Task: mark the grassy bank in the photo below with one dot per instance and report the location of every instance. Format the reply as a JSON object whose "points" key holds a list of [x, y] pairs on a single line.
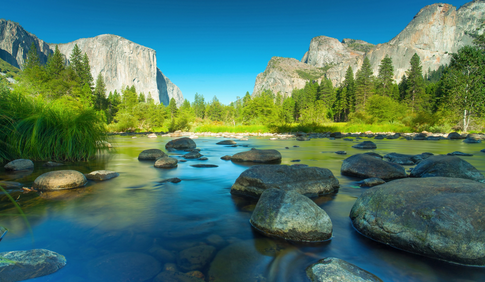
{"points": [[58, 131]]}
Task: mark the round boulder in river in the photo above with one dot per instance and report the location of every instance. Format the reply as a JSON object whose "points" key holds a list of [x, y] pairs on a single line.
{"points": [[368, 166], [310, 181], [19, 164], [291, 216], [101, 175], [226, 142], [437, 217], [60, 180], [166, 162], [446, 166], [181, 144], [366, 145], [334, 269], [151, 154], [258, 156]]}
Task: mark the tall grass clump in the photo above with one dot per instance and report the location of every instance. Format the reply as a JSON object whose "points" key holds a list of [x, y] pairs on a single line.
{"points": [[60, 131]]}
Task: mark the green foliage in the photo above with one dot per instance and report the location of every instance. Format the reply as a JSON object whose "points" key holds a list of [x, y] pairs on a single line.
{"points": [[8, 71], [199, 105], [415, 87], [60, 131], [311, 75], [385, 78], [364, 85], [362, 47], [385, 109]]}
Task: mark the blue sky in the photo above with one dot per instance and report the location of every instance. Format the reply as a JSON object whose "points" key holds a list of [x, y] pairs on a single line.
{"points": [[216, 48]]}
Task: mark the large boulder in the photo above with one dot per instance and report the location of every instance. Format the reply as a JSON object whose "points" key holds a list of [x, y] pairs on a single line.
{"points": [[166, 162], [151, 155], [335, 270], [23, 265], [437, 217], [180, 144], [101, 175], [19, 164], [59, 180], [291, 216], [368, 166], [366, 145], [446, 166], [310, 181], [258, 156]]}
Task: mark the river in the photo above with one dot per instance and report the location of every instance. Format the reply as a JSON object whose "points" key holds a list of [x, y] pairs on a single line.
{"points": [[135, 213]]}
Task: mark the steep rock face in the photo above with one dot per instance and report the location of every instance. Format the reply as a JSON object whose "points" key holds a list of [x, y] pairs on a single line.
{"points": [[120, 61], [15, 43], [281, 75], [124, 63], [435, 32]]}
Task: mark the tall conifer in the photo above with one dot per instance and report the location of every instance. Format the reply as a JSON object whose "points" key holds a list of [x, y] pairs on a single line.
{"points": [[364, 86]]}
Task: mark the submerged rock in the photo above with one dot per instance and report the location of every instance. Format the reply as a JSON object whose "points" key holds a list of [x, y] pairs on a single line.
{"points": [[436, 217], [258, 156], [166, 162], [291, 216], [173, 180], [334, 269], [23, 265], [10, 185], [226, 142], [19, 164], [341, 153], [151, 154], [101, 175], [175, 276], [368, 166], [367, 145], [311, 181], [52, 164], [204, 165], [401, 159], [446, 166], [195, 258], [457, 153], [59, 180], [192, 155], [129, 266], [181, 144]]}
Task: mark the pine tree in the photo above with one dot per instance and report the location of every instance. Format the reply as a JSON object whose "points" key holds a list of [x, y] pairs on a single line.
{"points": [[349, 83], [199, 105], [386, 77], [76, 60], [86, 77], [364, 87], [172, 108], [141, 98], [55, 64], [32, 69], [415, 92], [100, 101]]}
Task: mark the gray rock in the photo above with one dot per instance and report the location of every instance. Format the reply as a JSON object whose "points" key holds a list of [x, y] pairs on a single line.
{"points": [[151, 154], [341, 153], [367, 145], [204, 165], [128, 266], [302, 138], [173, 180], [472, 140], [23, 265], [195, 258], [401, 159], [336, 270], [52, 164], [446, 166], [336, 134], [226, 158], [455, 135], [367, 166], [369, 182], [457, 153], [291, 216], [436, 217], [379, 137], [420, 136], [226, 142], [433, 138], [203, 159], [166, 162], [311, 181], [192, 155], [19, 164], [393, 136], [59, 180], [175, 276], [258, 156], [181, 144], [101, 175], [418, 158]]}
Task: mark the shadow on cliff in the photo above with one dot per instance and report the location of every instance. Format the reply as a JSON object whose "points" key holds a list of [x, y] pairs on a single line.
{"points": [[7, 57], [162, 88]]}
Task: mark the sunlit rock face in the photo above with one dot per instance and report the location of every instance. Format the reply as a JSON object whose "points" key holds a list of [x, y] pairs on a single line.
{"points": [[15, 43], [124, 63], [121, 62], [434, 33]]}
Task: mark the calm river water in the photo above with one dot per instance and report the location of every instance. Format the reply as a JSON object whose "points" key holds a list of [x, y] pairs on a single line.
{"points": [[134, 214]]}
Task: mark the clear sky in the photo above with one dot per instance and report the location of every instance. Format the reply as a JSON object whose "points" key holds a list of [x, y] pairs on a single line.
{"points": [[216, 48]]}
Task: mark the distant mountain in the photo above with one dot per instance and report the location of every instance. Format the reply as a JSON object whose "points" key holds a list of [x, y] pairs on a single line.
{"points": [[435, 32], [120, 61]]}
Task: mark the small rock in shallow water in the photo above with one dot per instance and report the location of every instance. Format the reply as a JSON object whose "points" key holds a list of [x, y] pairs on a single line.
{"points": [[226, 158], [101, 175], [173, 180], [204, 165], [457, 153], [151, 155], [334, 269], [60, 180], [195, 258], [341, 153], [295, 161], [166, 162], [52, 164], [203, 159], [19, 164]]}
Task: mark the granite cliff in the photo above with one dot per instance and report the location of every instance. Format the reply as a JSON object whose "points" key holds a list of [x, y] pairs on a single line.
{"points": [[120, 61], [435, 32]]}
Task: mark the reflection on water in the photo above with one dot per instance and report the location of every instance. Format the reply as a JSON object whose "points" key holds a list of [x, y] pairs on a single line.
{"points": [[136, 217]]}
